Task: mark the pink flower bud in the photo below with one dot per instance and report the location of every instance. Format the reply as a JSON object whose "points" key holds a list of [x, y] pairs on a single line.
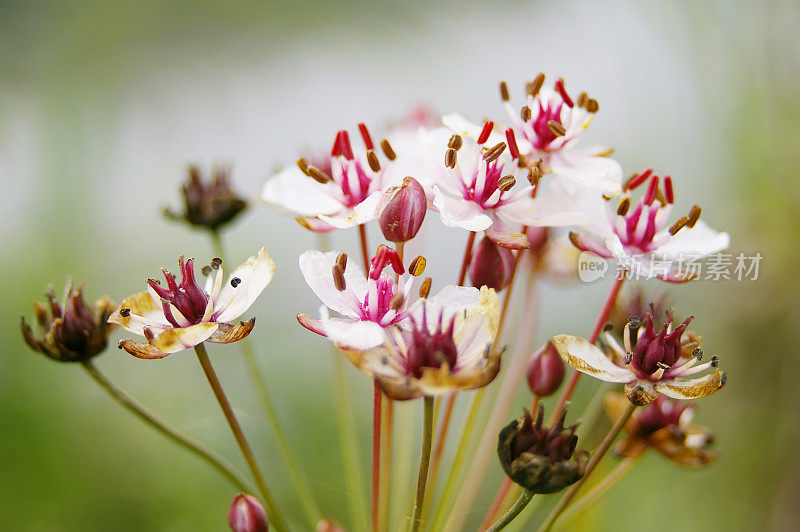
{"points": [[545, 371], [403, 211], [491, 265], [247, 515]]}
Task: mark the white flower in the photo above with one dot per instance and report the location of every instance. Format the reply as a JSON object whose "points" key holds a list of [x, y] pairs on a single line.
{"points": [[473, 187], [439, 354], [183, 315], [651, 363], [343, 191], [368, 305], [639, 238], [553, 123]]}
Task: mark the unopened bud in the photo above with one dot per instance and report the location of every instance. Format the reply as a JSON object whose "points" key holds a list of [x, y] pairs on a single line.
{"points": [[403, 211], [545, 371], [247, 515], [327, 525], [491, 265]]}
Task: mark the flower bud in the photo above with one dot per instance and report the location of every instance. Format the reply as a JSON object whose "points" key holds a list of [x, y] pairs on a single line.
{"points": [[491, 265], [403, 211], [247, 515], [74, 332], [538, 458], [209, 204], [545, 371]]}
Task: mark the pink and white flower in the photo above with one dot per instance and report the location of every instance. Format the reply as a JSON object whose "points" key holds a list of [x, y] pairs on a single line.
{"points": [[344, 195], [183, 315], [367, 305], [440, 352], [473, 190], [548, 127], [651, 363], [639, 238]]}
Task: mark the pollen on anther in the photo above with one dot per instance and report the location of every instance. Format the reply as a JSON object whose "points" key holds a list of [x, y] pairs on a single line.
{"points": [[206, 271], [425, 289], [536, 85], [216, 262], [302, 164], [455, 142], [341, 261], [494, 152], [338, 278], [694, 215], [525, 113], [624, 205], [397, 301], [450, 158], [556, 128], [504, 91], [592, 106], [235, 282], [387, 150], [124, 312], [372, 160], [581, 101], [417, 266], [506, 183], [697, 352], [677, 226], [318, 175]]}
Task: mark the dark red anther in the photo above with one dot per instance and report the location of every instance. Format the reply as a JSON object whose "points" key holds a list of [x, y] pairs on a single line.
{"points": [[652, 190], [563, 92], [383, 257], [637, 180], [365, 135], [486, 131], [512, 143], [668, 190]]}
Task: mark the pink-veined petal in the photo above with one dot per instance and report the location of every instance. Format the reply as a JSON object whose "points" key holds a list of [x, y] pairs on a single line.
{"points": [[460, 212]]}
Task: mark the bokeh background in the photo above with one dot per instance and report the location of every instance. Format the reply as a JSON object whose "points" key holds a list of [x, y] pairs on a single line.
{"points": [[103, 104]]}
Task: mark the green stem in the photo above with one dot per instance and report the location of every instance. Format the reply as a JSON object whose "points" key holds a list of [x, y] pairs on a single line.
{"points": [[275, 518], [519, 505], [222, 465], [424, 462], [299, 482], [597, 455]]}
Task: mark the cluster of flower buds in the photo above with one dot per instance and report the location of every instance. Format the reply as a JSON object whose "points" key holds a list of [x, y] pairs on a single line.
{"points": [[211, 204], [247, 515], [539, 458], [72, 331]]}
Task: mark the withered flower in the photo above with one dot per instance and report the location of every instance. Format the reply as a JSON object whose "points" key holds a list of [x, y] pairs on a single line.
{"points": [[441, 353], [209, 204], [74, 332], [183, 315], [666, 426], [651, 363], [538, 458]]}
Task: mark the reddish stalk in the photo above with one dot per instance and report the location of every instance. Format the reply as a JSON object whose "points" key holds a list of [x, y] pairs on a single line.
{"points": [[376, 455], [598, 326], [462, 276]]}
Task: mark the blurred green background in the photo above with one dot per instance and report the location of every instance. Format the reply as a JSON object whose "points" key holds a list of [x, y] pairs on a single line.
{"points": [[102, 105]]}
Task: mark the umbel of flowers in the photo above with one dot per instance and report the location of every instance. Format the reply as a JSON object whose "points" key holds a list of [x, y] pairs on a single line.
{"points": [[524, 192]]}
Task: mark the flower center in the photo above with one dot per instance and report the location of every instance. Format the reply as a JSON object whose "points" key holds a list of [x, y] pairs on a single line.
{"points": [[185, 303], [556, 443], [381, 303], [660, 350], [431, 349]]}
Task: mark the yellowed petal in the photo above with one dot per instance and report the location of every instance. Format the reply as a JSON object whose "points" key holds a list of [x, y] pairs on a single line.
{"points": [[140, 310], [178, 339], [227, 333], [590, 359], [692, 388]]}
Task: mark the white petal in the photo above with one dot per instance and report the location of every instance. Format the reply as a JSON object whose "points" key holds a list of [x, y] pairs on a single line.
{"points": [[588, 358], [449, 301], [597, 172], [460, 212], [352, 334], [254, 275], [296, 193], [475, 330], [698, 241], [361, 213], [545, 211], [317, 268]]}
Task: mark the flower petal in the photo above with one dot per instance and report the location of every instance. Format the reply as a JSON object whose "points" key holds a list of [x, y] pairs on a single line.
{"points": [[362, 213], [317, 268], [314, 224], [296, 193], [692, 388], [590, 359], [449, 301], [254, 275], [352, 334], [145, 310], [312, 324], [589, 170], [456, 212], [698, 241], [227, 333]]}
